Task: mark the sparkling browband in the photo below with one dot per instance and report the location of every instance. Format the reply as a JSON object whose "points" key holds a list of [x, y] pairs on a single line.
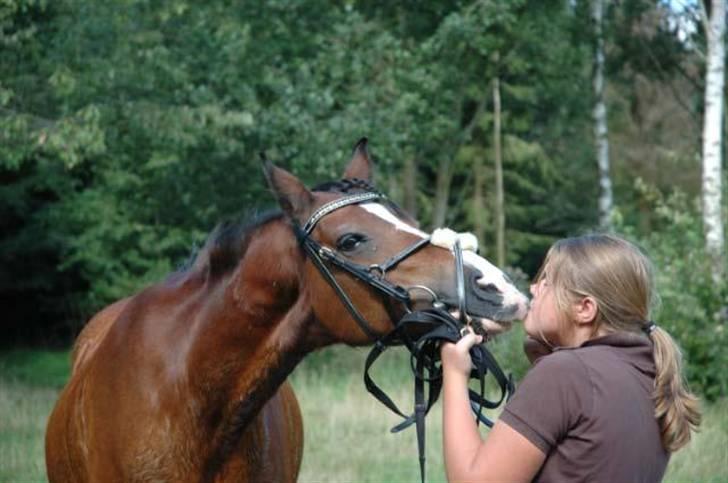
{"points": [[336, 204]]}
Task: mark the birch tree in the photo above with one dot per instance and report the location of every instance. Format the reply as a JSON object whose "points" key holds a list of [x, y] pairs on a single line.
{"points": [[500, 217], [601, 141], [714, 25]]}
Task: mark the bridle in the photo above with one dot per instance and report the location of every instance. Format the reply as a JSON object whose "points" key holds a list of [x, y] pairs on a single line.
{"points": [[433, 325], [372, 275]]}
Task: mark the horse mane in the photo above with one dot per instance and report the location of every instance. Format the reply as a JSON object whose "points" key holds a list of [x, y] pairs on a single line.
{"points": [[346, 186], [229, 240], [227, 243]]}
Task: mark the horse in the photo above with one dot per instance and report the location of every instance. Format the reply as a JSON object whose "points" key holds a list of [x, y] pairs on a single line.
{"points": [[186, 380]]}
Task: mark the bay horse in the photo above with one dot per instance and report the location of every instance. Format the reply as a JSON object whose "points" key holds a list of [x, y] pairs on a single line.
{"points": [[186, 380]]}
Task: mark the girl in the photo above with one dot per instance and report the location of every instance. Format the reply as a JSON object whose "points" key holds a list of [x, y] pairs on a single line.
{"points": [[608, 401]]}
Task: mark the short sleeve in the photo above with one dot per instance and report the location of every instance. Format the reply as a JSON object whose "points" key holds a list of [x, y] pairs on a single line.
{"points": [[553, 397]]}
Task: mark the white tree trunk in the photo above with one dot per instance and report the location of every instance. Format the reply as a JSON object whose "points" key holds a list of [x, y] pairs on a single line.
{"points": [[712, 135], [601, 132], [500, 215]]}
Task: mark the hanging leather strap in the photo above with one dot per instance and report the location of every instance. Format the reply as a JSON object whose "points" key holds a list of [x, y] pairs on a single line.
{"points": [[436, 326]]}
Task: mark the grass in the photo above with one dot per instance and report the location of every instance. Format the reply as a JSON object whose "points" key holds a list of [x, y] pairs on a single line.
{"points": [[347, 436], [24, 410]]}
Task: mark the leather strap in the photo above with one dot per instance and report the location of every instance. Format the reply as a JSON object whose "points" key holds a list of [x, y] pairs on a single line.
{"points": [[437, 326]]}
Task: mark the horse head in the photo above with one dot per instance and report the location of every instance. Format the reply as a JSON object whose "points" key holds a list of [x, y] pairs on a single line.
{"points": [[382, 263]]}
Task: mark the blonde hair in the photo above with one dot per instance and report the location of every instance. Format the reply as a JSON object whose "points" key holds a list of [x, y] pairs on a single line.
{"points": [[619, 277]]}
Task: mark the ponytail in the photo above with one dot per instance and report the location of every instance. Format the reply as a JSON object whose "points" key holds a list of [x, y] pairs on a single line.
{"points": [[676, 408], [619, 276]]}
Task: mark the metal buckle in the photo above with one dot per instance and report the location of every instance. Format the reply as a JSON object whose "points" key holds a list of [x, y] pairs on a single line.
{"points": [[376, 271], [326, 252]]}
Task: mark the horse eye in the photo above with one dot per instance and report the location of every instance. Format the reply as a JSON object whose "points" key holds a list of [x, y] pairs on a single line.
{"points": [[490, 287], [350, 241]]}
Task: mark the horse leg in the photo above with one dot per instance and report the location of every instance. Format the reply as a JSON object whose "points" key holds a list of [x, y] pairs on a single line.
{"points": [[271, 448]]}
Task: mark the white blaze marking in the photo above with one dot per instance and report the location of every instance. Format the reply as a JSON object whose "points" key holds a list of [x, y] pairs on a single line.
{"points": [[490, 273], [385, 214]]}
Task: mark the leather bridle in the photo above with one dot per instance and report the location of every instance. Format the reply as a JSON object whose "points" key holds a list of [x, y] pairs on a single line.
{"points": [[422, 332], [372, 275]]}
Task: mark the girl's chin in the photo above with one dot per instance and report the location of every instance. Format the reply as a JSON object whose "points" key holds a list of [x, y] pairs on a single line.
{"points": [[529, 327]]}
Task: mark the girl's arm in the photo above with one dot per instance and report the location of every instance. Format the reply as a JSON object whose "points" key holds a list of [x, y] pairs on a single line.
{"points": [[505, 455]]}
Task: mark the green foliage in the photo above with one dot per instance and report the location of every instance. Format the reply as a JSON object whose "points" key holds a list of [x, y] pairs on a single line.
{"points": [[128, 131], [37, 368], [692, 307]]}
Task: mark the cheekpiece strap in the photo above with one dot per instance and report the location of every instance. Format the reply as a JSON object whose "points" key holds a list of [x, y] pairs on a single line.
{"points": [[335, 205]]}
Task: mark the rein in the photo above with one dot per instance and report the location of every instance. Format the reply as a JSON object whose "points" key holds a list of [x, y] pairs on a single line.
{"points": [[421, 332]]}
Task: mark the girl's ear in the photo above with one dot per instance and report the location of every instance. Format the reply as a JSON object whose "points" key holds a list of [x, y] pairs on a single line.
{"points": [[585, 310]]}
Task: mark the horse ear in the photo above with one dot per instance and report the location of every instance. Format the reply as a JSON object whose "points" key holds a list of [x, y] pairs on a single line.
{"points": [[295, 199], [360, 165]]}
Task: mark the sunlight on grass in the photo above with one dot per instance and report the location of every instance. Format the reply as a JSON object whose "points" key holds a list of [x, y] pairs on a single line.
{"points": [[705, 459], [347, 431], [347, 436], [24, 410]]}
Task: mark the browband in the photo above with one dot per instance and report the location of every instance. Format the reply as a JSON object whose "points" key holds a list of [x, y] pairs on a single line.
{"points": [[335, 205]]}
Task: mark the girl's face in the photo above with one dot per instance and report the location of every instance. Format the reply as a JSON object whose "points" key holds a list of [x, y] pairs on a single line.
{"points": [[543, 319]]}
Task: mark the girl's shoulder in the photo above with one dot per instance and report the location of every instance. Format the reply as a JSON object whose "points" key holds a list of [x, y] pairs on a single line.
{"points": [[560, 362]]}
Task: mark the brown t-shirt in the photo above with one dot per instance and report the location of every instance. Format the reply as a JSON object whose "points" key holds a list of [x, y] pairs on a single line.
{"points": [[589, 409]]}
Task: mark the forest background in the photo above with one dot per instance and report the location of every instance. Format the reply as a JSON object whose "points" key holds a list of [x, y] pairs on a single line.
{"points": [[129, 129]]}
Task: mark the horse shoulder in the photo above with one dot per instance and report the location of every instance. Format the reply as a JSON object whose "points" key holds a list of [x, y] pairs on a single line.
{"points": [[93, 333]]}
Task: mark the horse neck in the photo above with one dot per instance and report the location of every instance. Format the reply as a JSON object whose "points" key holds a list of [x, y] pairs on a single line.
{"points": [[255, 335], [253, 330]]}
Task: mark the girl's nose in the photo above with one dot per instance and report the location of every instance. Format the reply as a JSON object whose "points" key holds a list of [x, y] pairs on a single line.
{"points": [[533, 288]]}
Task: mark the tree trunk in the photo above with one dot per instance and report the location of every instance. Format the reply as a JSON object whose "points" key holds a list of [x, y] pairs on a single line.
{"points": [[500, 216], [442, 193], [601, 141], [410, 186], [479, 217], [444, 170], [712, 136]]}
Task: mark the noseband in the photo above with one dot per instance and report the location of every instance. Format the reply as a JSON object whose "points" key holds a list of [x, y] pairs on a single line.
{"points": [[436, 324]]}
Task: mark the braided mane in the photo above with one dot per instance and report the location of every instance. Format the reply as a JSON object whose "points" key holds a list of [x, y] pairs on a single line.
{"points": [[347, 186]]}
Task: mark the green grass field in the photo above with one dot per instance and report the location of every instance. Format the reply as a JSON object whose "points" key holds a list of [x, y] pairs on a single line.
{"points": [[347, 436]]}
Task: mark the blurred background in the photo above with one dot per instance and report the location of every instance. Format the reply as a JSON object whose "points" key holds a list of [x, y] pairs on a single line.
{"points": [[130, 128]]}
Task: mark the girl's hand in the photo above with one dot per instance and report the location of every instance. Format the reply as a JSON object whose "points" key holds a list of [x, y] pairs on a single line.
{"points": [[456, 357]]}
